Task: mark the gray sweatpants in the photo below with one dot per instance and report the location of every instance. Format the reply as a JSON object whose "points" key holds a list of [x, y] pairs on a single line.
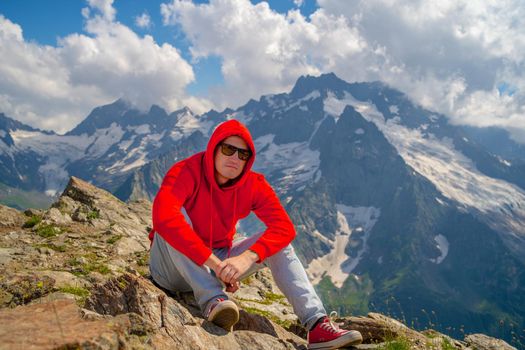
{"points": [[174, 271]]}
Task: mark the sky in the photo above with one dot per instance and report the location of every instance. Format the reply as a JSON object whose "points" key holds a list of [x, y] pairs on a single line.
{"points": [[62, 58]]}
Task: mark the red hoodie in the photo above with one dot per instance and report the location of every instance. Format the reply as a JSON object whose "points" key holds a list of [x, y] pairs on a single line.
{"points": [[214, 211]]}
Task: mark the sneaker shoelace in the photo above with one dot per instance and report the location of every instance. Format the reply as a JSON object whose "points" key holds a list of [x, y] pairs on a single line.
{"points": [[330, 326]]}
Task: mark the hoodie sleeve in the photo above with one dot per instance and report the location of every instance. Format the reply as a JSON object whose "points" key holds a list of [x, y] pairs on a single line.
{"points": [[168, 220], [280, 230]]}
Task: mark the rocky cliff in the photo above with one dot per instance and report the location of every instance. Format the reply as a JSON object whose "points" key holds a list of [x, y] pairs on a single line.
{"points": [[75, 276]]}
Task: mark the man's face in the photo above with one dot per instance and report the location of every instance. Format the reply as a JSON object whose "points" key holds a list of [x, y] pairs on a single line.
{"points": [[229, 167]]}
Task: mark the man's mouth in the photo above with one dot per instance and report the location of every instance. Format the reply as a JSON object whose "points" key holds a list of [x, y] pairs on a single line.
{"points": [[233, 166]]}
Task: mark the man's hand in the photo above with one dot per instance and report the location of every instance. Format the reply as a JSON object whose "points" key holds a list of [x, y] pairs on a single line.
{"points": [[231, 269], [213, 263]]}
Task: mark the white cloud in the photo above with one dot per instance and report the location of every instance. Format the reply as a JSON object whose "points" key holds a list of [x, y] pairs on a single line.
{"points": [[105, 7], [452, 55], [56, 87], [449, 56], [261, 51], [143, 21]]}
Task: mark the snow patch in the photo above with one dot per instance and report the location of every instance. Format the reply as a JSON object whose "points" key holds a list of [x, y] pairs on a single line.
{"points": [[141, 129], [290, 164], [2, 133], [442, 245], [56, 151], [334, 106], [440, 201], [124, 145], [187, 124], [137, 156], [359, 131], [337, 264], [103, 139], [504, 161]]}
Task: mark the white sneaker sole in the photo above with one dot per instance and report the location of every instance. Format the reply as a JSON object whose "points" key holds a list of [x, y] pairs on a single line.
{"points": [[350, 338], [225, 315]]}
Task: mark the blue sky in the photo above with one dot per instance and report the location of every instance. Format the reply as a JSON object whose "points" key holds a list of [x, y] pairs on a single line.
{"points": [[62, 58], [46, 21]]}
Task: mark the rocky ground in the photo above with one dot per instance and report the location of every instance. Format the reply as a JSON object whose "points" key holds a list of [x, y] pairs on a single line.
{"points": [[76, 276]]}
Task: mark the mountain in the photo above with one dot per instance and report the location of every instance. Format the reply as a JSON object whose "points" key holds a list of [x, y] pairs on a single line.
{"points": [[19, 163], [397, 210], [496, 141], [105, 148]]}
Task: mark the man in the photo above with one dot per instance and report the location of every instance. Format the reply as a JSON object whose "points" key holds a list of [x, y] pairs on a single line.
{"points": [[217, 188]]}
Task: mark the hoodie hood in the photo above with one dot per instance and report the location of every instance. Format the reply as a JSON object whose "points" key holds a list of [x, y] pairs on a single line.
{"points": [[223, 131]]}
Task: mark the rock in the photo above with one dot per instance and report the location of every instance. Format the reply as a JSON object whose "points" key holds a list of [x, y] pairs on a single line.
{"points": [[58, 325], [128, 245], [53, 297], [87, 203], [33, 212], [64, 279], [6, 255], [13, 235], [260, 324], [378, 328], [10, 217], [25, 288], [180, 326], [54, 216], [484, 342], [45, 250], [260, 292]]}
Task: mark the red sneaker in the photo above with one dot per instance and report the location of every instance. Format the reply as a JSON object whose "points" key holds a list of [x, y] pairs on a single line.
{"points": [[224, 313], [327, 335]]}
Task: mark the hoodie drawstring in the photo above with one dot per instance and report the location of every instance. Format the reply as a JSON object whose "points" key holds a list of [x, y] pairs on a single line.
{"points": [[211, 218], [233, 219]]}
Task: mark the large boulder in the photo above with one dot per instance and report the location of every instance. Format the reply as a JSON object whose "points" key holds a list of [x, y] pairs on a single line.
{"points": [[179, 325]]}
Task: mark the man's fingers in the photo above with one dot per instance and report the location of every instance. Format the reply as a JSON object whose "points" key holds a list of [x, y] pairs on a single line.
{"points": [[221, 267]]}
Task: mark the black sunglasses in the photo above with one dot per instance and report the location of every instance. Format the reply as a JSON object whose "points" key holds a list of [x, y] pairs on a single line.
{"points": [[229, 150]]}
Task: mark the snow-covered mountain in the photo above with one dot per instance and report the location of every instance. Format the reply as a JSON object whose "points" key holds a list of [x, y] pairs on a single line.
{"points": [[393, 205], [105, 148]]}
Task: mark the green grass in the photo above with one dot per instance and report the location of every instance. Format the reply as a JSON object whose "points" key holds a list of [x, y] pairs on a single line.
{"points": [[143, 258], [80, 292], [248, 280], [47, 231], [98, 267], [446, 345], [268, 315], [273, 297], [113, 239], [84, 268], [94, 214], [56, 248], [34, 220], [399, 343]]}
